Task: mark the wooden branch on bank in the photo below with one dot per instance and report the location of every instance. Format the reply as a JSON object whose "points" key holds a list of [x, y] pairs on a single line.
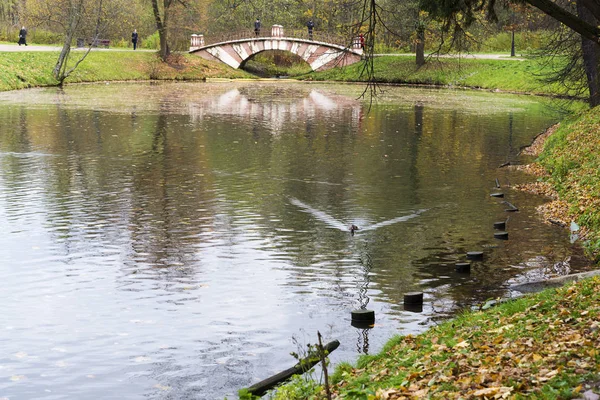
{"points": [[304, 365]]}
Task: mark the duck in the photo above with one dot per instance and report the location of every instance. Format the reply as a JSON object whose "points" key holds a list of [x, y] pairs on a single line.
{"points": [[353, 228]]}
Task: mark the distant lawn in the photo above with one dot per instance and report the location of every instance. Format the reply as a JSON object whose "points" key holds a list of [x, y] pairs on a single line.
{"points": [[19, 70], [507, 75]]}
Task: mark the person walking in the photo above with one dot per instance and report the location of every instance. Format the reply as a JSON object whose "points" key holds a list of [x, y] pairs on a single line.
{"points": [[257, 27], [23, 36], [310, 25], [134, 38]]}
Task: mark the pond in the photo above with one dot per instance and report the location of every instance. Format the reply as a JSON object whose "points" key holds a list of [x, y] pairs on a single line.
{"points": [[179, 240]]}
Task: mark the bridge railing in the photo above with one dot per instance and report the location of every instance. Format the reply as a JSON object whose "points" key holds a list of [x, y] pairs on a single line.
{"points": [[272, 32]]}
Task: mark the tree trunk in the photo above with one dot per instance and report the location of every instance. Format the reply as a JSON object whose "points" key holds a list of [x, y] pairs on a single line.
{"points": [[61, 63], [512, 43], [161, 26], [75, 11], [580, 26], [591, 55], [420, 47]]}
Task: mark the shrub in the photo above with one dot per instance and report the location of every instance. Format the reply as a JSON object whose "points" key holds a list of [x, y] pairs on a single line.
{"points": [[151, 42]]}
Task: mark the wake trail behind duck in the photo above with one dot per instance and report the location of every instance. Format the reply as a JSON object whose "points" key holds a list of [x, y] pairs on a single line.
{"points": [[393, 221], [334, 223], [320, 215]]}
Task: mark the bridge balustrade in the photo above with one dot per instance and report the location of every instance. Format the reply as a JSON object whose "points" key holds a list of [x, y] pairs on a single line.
{"points": [[317, 36], [197, 41], [277, 31]]}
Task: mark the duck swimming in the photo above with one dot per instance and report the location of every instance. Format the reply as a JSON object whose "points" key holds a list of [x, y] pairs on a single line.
{"points": [[334, 223]]}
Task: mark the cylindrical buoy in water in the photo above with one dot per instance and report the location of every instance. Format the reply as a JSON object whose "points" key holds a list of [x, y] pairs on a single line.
{"points": [[500, 195], [413, 298], [500, 225], [475, 255], [463, 267], [416, 308], [501, 235], [362, 324], [363, 316]]}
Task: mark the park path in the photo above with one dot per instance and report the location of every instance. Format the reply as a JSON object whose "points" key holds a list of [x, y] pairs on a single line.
{"points": [[479, 56], [32, 47]]}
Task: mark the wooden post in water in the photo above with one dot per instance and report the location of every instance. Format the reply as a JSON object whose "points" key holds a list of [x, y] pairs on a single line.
{"points": [[304, 365]]}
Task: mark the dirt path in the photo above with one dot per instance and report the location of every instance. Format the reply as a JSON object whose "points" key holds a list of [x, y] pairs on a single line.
{"points": [[13, 47], [34, 47], [462, 55]]}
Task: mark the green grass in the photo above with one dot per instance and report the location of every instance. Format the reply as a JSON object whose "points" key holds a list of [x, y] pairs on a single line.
{"points": [[505, 75], [572, 158], [543, 346], [27, 69], [19, 70]]}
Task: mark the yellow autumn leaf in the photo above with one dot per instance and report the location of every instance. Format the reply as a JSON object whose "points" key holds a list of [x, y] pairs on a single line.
{"points": [[502, 328]]}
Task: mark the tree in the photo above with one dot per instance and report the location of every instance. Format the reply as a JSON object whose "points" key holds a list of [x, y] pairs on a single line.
{"points": [[9, 12], [74, 18], [162, 18], [583, 19], [591, 52]]}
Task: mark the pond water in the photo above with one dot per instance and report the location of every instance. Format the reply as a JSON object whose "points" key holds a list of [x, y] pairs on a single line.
{"points": [[179, 240]]}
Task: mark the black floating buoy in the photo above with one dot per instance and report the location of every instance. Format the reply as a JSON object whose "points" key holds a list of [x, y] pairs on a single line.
{"points": [[475, 255], [497, 194], [413, 298], [501, 235], [362, 324], [512, 207], [416, 308], [500, 225], [363, 316], [463, 267]]}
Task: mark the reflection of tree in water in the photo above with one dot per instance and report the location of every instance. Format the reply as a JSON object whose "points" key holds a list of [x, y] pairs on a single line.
{"points": [[165, 201], [366, 262], [363, 284]]}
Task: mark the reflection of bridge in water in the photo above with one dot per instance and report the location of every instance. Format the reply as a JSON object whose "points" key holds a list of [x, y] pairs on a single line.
{"points": [[277, 112], [320, 51]]}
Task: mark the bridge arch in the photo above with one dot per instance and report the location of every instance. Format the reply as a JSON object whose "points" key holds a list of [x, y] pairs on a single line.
{"points": [[319, 55]]}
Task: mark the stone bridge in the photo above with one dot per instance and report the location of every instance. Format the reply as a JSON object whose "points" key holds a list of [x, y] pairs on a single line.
{"points": [[320, 55]]}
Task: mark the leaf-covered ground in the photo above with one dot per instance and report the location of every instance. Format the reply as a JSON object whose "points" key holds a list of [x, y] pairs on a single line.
{"points": [[545, 346], [569, 173]]}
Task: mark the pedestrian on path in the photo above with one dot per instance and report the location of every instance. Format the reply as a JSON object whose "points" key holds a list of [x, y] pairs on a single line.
{"points": [[23, 36], [134, 38], [310, 25], [257, 27]]}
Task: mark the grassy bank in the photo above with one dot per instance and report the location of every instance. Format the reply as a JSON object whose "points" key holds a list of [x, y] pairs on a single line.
{"points": [[501, 74], [544, 346], [19, 70], [571, 159]]}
